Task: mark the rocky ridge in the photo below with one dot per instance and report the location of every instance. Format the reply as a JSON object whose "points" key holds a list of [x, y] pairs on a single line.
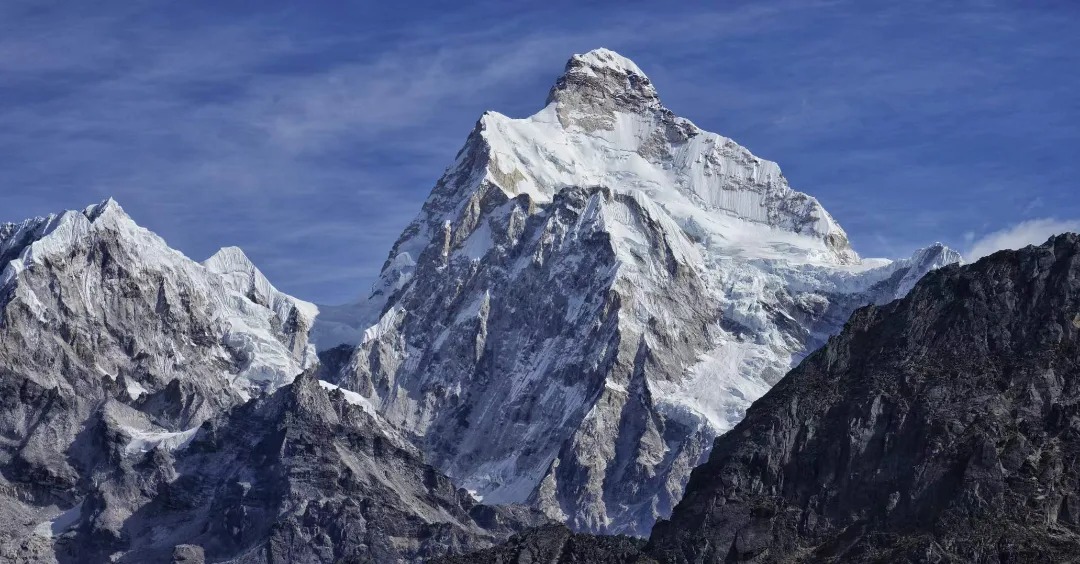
{"points": [[941, 427]]}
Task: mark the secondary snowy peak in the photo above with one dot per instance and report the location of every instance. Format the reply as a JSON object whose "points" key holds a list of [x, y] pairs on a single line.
{"points": [[922, 261], [96, 311], [37, 239], [242, 276], [265, 330]]}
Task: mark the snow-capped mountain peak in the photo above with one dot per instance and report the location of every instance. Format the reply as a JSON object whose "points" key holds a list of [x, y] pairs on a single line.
{"points": [[38, 239], [592, 293], [924, 260], [604, 125], [109, 206], [603, 59], [267, 330], [600, 77], [242, 276]]}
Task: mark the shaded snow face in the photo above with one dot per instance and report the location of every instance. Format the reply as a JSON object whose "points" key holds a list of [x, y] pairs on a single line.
{"points": [[592, 294]]}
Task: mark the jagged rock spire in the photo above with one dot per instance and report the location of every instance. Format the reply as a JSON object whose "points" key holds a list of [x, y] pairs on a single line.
{"points": [[603, 77]]}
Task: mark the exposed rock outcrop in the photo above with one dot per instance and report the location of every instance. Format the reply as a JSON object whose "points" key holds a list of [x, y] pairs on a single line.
{"points": [[943, 427]]}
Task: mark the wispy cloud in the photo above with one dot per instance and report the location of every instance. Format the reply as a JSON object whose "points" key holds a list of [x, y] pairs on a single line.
{"points": [[1031, 232], [312, 137], [261, 133]]}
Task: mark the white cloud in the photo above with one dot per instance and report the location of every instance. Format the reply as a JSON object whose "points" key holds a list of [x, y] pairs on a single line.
{"points": [[1031, 232]]}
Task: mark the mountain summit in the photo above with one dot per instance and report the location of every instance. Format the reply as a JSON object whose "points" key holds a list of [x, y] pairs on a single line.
{"points": [[605, 125], [603, 79], [590, 295]]}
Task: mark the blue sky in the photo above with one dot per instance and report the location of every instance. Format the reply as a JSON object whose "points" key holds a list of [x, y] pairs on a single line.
{"points": [[310, 133]]}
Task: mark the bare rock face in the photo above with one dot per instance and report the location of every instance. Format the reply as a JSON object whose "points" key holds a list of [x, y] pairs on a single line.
{"points": [[943, 427], [305, 474], [591, 295], [556, 544], [188, 554]]}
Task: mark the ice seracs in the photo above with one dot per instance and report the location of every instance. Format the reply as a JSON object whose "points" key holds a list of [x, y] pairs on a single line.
{"points": [[591, 294], [250, 294], [241, 276]]}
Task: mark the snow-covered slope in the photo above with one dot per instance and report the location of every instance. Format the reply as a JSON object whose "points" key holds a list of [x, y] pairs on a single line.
{"points": [[245, 285], [591, 294]]}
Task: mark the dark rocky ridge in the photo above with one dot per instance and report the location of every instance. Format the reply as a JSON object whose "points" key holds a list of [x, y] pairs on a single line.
{"points": [[556, 543], [943, 427], [301, 475]]}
